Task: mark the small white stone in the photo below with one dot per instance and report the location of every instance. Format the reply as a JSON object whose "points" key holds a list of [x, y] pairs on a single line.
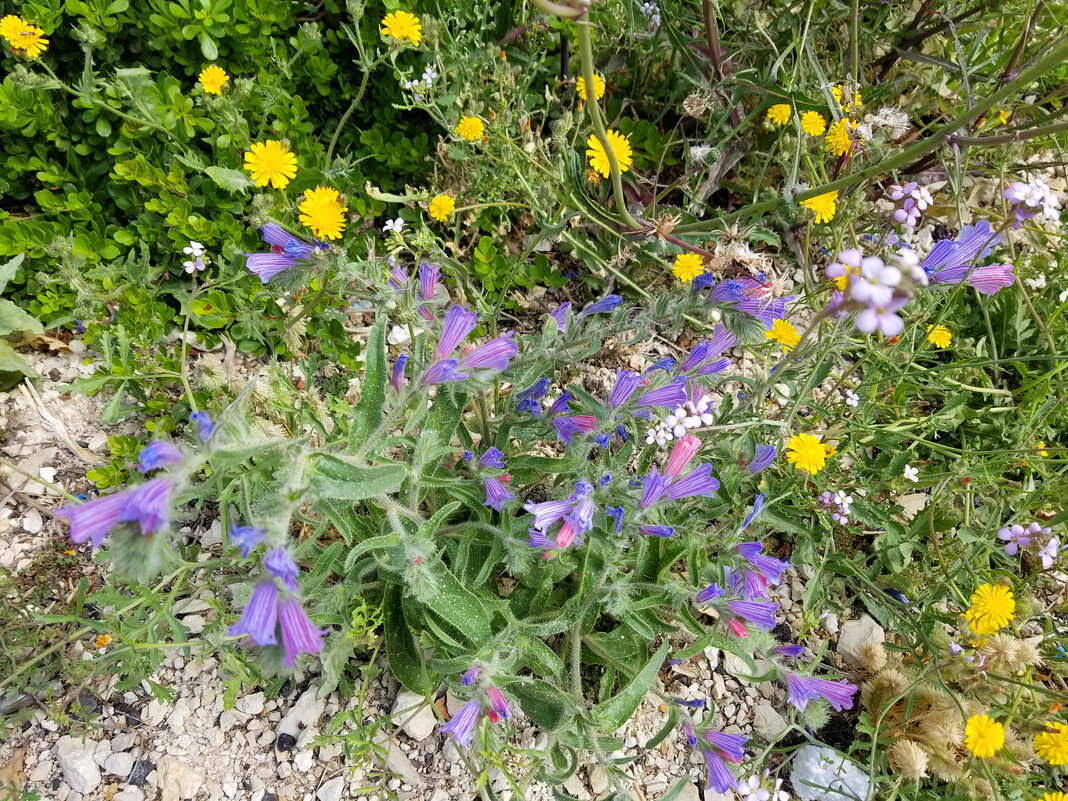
{"points": [[32, 522], [858, 633], [177, 780], [414, 715], [119, 764], [249, 704], [331, 790], [768, 722], [302, 760], [80, 770]]}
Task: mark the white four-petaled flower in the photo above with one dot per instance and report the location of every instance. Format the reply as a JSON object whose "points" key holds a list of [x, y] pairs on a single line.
{"points": [[395, 225], [912, 473], [852, 398]]}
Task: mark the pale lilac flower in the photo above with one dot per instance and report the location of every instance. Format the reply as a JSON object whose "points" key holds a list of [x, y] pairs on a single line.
{"points": [[1049, 551], [882, 318], [1016, 537], [299, 636], [260, 618]]}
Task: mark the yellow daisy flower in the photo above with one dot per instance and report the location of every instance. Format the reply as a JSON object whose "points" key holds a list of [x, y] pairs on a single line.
{"points": [[403, 25], [783, 332], [598, 86], [1042, 450], [441, 207], [829, 450], [10, 26], [838, 140], [813, 123], [1052, 745], [212, 78], [470, 128], [806, 452], [271, 162], [22, 36], [103, 641], [1056, 796], [599, 159], [992, 608], [688, 266], [840, 281], [322, 212], [823, 205], [984, 736], [779, 113], [939, 336]]}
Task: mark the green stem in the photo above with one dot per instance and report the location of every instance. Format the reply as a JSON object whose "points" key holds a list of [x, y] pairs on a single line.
{"points": [[348, 113], [597, 120], [54, 487], [185, 348], [575, 643]]}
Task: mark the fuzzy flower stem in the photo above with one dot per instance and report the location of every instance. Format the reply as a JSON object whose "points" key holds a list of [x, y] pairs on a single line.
{"points": [[348, 112], [597, 119], [184, 363]]}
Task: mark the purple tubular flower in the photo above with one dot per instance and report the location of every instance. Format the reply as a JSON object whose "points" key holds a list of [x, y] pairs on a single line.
{"points": [[605, 304], [654, 488], [496, 494], [802, 689], [299, 636], [751, 297], [992, 278], [498, 702], [709, 593], [691, 738], [731, 746], [260, 617], [398, 372], [769, 567], [246, 538], [656, 531], [540, 541], [759, 613], [621, 431], [764, 456], [698, 481], [471, 676], [616, 513], [666, 365], [93, 519], [443, 371], [205, 428], [559, 314], [157, 454], [716, 366], [398, 278], [626, 383], [602, 439], [722, 338], [670, 397], [950, 260], [462, 725], [287, 251], [758, 504], [528, 400], [548, 513], [749, 584], [788, 651], [459, 322], [567, 427], [148, 505], [720, 778], [560, 404], [268, 265], [581, 516], [694, 703], [696, 358], [468, 455], [428, 280], [493, 355], [493, 457], [281, 565]]}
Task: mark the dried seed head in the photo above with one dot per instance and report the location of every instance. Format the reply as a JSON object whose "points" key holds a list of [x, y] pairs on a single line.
{"points": [[1001, 652], [210, 373], [908, 759], [873, 656], [981, 789], [697, 104], [942, 729], [665, 224], [943, 765], [1029, 655]]}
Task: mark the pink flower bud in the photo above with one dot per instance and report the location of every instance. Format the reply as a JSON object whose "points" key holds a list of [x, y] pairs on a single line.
{"points": [[685, 449]]}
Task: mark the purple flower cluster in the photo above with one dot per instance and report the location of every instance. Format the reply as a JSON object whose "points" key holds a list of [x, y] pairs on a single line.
{"points": [[1031, 198], [286, 251], [746, 295], [717, 748], [1016, 537], [462, 725], [841, 502], [605, 304], [877, 287], [576, 513], [914, 200]]}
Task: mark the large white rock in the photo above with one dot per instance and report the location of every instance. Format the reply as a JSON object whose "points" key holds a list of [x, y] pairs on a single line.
{"points": [[414, 716], [768, 722], [119, 764], [178, 781], [856, 634], [822, 774], [332, 790], [250, 704], [76, 761]]}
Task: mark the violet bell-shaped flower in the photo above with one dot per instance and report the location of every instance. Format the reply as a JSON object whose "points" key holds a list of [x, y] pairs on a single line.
{"points": [[492, 355], [529, 399], [496, 494], [299, 636], [428, 283], [559, 315], [626, 383], [246, 538], [762, 458], [157, 454], [459, 322], [462, 724], [698, 481], [259, 620], [802, 689]]}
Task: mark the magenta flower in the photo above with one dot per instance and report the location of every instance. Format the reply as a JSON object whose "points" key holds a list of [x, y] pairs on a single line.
{"points": [[681, 455], [498, 704]]}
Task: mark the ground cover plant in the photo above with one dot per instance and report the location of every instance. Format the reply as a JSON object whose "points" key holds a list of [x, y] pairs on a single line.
{"points": [[585, 333]]}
